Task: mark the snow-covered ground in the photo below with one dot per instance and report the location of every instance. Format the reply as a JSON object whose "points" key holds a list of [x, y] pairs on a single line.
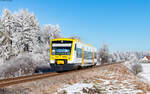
{"points": [[76, 88], [146, 72], [112, 82], [101, 86]]}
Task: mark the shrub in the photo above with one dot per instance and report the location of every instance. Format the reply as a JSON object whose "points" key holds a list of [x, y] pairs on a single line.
{"points": [[19, 66], [137, 68], [134, 65]]}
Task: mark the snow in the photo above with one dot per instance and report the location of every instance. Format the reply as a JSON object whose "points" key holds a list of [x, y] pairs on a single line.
{"points": [[106, 86], [76, 88], [146, 72]]}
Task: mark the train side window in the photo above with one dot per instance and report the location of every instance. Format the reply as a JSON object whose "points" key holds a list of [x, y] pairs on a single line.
{"points": [[79, 52], [95, 55], [88, 55], [75, 48], [91, 55], [85, 54]]}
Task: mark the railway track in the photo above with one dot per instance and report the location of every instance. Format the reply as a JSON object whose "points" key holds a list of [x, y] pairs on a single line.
{"points": [[23, 79]]}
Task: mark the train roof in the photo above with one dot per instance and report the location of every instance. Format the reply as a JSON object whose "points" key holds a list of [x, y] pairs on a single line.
{"points": [[64, 39], [71, 39]]}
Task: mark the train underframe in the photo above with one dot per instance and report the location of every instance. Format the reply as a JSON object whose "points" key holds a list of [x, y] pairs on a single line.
{"points": [[65, 67]]}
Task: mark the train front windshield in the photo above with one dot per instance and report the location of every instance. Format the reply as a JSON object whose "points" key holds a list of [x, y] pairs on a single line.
{"points": [[61, 47]]}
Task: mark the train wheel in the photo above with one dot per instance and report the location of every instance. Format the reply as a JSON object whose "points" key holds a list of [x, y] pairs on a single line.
{"points": [[79, 67]]}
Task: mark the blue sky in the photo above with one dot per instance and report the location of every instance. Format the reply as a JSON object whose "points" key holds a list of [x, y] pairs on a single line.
{"points": [[122, 24]]}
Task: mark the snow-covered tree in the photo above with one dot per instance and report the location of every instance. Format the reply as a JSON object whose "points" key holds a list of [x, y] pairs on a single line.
{"points": [[2, 38], [48, 32], [6, 26], [57, 32], [75, 37], [26, 32], [125, 56], [20, 32]]}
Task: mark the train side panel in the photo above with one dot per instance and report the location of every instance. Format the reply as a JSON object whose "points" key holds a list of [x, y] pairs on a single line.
{"points": [[85, 54]]}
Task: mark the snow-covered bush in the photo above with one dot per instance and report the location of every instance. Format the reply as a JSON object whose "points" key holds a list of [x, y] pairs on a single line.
{"points": [[22, 65], [133, 64], [25, 64], [137, 68]]}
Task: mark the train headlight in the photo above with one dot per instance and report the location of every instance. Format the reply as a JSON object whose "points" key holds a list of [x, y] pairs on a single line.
{"points": [[68, 57]]}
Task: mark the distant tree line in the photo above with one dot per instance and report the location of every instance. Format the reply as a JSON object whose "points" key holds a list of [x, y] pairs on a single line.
{"points": [[130, 59]]}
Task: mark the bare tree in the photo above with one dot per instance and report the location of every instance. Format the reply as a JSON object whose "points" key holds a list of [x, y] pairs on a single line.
{"points": [[103, 54]]}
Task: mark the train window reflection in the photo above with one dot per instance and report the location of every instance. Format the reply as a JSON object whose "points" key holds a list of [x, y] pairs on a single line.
{"points": [[61, 50]]}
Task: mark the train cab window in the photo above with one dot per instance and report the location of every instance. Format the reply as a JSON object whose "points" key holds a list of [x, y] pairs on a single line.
{"points": [[61, 50], [61, 47]]}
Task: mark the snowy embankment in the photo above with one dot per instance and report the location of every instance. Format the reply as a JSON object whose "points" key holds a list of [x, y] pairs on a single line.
{"points": [[111, 79], [115, 79], [146, 72]]}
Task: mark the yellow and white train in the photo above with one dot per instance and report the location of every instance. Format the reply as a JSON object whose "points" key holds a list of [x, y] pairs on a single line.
{"points": [[67, 54]]}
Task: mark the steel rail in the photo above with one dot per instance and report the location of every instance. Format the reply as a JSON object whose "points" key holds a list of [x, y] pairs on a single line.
{"points": [[23, 79]]}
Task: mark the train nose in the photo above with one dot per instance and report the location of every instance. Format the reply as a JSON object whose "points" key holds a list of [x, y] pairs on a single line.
{"points": [[62, 57]]}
